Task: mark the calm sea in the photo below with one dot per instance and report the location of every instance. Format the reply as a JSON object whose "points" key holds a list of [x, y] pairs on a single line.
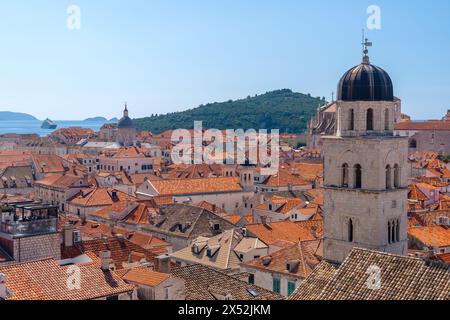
{"points": [[31, 126]]}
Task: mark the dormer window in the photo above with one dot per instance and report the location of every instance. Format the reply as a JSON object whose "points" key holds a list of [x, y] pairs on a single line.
{"points": [[211, 251]]}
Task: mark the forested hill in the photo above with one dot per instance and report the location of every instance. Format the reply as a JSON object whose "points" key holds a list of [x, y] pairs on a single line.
{"points": [[281, 109]]}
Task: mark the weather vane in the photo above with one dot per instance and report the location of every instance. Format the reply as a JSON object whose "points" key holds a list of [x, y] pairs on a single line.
{"points": [[366, 44]]}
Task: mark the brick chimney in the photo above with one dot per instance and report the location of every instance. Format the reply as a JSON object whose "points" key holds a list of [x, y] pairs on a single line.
{"points": [[163, 263], [68, 235], [3, 291], [105, 258]]}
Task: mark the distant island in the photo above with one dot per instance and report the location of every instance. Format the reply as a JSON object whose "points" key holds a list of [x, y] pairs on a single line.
{"points": [[95, 119], [281, 109], [101, 119], [15, 116]]}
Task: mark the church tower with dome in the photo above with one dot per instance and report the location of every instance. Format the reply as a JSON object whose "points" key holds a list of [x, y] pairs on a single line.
{"points": [[126, 132], [365, 167]]}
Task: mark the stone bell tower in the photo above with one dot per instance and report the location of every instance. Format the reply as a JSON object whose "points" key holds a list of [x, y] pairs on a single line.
{"points": [[365, 168]]}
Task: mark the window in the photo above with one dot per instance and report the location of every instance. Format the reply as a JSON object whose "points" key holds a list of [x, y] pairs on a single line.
{"points": [[393, 227], [369, 119], [351, 125], [358, 176], [167, 293], [413, 144], [350, 230], [396, 176], [251, 279], [397, 231], [388, 177], [276, 285], [112, 298], [345, 175], [290, 288], [386, 119], [389, 233], [270, 207]]}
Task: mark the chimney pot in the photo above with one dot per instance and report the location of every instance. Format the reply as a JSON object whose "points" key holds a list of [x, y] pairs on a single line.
{"points": [[68, 235], [105, 258], [163, 263]]}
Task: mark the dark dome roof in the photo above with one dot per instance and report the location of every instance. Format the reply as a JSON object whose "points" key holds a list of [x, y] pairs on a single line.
{"points": [[366, 82], [125, 122]]}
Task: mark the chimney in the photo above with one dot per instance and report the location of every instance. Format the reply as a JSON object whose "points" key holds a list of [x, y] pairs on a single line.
{"points": [[314, 232], [105, 258], [163, 263], [264, 220], [3, 291], [68, 235]]}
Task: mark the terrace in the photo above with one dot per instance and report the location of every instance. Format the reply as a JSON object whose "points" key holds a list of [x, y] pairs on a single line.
{"points": [[28, 219]]}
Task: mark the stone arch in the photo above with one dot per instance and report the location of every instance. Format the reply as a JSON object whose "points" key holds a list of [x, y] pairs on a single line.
{"points": [[348, 157]]}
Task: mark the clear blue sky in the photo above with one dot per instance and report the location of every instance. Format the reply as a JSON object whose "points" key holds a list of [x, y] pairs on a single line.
{"points": [[169, 55]]}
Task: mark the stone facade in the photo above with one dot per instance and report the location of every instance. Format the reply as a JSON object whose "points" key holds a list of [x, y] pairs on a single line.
{"points": [[366, 179]]}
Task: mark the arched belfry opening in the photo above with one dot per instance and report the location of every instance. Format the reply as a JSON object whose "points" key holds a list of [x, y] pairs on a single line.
{"points": [[351, 117], [369, 118], [351, 230], [357, 176], [345, 175]]}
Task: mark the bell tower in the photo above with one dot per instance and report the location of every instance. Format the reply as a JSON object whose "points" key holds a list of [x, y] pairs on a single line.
{"points": [[365, 168]]}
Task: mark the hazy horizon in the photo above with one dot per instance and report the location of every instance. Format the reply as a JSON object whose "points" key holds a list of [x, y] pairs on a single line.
{"points": [[168, 56]]}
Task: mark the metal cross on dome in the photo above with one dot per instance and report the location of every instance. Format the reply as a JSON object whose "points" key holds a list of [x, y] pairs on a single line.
{"points": [[366, 44]]}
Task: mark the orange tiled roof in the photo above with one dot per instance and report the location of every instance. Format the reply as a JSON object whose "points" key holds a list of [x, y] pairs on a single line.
{"points": [[96, 196], [305, 255], [47, 280], [235, 218], [197, 186], [285, 231], [435, 125], [61, 181], [120, 248], [416, 194], [145, 276], [284, 178], [435, 236]]}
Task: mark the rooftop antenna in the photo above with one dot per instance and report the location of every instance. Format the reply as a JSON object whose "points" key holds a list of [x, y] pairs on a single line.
{"points": [[365, 45], [332, 96]]}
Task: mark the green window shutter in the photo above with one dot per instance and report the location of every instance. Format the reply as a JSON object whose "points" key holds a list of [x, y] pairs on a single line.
{"points": [[276, 285], [291, 288]]}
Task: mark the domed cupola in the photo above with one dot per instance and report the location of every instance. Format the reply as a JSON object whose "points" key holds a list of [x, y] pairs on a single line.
{"points": [[126, 121], [366, 82]]}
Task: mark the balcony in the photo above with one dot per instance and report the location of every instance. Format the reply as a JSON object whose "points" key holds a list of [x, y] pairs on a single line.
{"points": [[29, 228], [28, 219]]}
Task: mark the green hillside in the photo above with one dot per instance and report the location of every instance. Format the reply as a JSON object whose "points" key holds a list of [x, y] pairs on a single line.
{"points": [[281, 109]]}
